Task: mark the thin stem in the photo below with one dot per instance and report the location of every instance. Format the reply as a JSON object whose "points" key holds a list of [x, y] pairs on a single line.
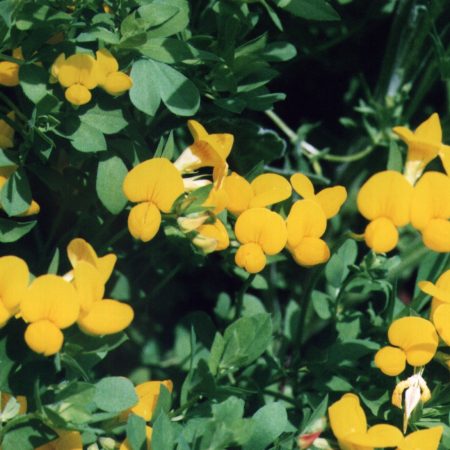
{"points": [[349, 158], [185, 406], [241, 293], [11, 59], [282, 125], [13, 107]]}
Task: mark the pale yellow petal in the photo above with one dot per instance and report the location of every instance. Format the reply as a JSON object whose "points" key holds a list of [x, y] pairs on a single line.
{"points": [[117, 83], [217, 233], [80, 250], [269, 188], [44, 337], [106, 61], [302, 185], [391, 360], [144, 221]]}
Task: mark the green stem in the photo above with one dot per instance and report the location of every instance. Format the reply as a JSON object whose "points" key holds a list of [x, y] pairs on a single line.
{"points": [[241, 293], [11, 59], [13, 107], [17, 421], [280, 396], [349, 158], [185, 406], [282, 125]]}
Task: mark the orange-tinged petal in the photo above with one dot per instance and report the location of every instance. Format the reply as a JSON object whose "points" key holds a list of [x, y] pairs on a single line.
{"points": [[44, 337], [148, 433], [386, 194], [331, 199], [215, 234], [302, 185], [239, 193], [117, 83], [221, 142], [88, 284], [9, 74], [347, 417], [50, 297], [144, 221], [78, 95], [381, 235], [14, 279], [436, 235], [311, 251], [422, 440], [269, 188], [391, 360], [306, 219], [157, 181], [441, 320], [106, 317], [378, 436], [250, 257], [33, 209]]}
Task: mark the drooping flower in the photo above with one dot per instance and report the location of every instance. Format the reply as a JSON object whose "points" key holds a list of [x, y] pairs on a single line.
{"points": [[80, 250], [440, 305], [212, 237], [148, 434], [261, 232], [79, 74], [98, 316], [385, 200], [207, 150], [112, 81], [424, 145], [154, 184], [265, 190], [306, 224], [14, 279], [430, 210], [6, 132], [67, 440], [415, 340], [9, 71], [49, 305], [330, 199], [148, 395]]}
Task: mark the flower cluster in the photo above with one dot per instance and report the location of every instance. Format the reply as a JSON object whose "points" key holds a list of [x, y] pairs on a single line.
{"points": [[390, 200], [156, 185], [51, 303], [80, 73]]}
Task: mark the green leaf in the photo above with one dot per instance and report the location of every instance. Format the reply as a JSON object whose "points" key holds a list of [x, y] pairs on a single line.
{"points": [[111, 172], [88, 139], [216, 353], [11, 231], [279, 51], [15, 196], [322, 304], [144, 94], [163, 436], [136, 432], [245, 340], [34, 82], [28, 436], [176, 23], [269, 422], [8, 158], [309, 9], [156, 14], [167, 50], [104, 119], [115, 394]]}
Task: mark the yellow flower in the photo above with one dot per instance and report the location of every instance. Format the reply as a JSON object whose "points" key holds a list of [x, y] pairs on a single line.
{"points": [[14, 279], [6, 132], [98, 316], [9, 71], [79, 250], [306, 223], [430, 210], [424, 145], [67, 440], [422, 439], [330, 199], [440, 305], [148, 395], [385, 200], [415, 337], [207, 150], [49, 305], [155, 184], [262, 232], [79, 74], [212, 237], [148, 433], [265, 190], [112, 81]]}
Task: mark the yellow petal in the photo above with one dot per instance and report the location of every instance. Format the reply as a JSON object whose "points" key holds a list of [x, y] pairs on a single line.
{"points": [[148, 394], [436, 235], [44, 337], [347, 417], [250, 257], [306, 219], [9, 74], [217, 199], [422, 440], [52, 298], [382, 435], [105, 265], [88, 284], [117, 83], [269, 188], [445, 158], [404, 133], [311, 251], [157, 181], [441, 320], [239, 193], [302, 185], [106, 61], [14, 279], [390, 360], [77, 94], [5, 315], [148, 433], [106, 317], [430, 130], [144, 221], [197, 130], [263, 227], [33, 209], [79, 69], [331, 200], [381, 235], [386, 194], [54, 70], [215, 232]]}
